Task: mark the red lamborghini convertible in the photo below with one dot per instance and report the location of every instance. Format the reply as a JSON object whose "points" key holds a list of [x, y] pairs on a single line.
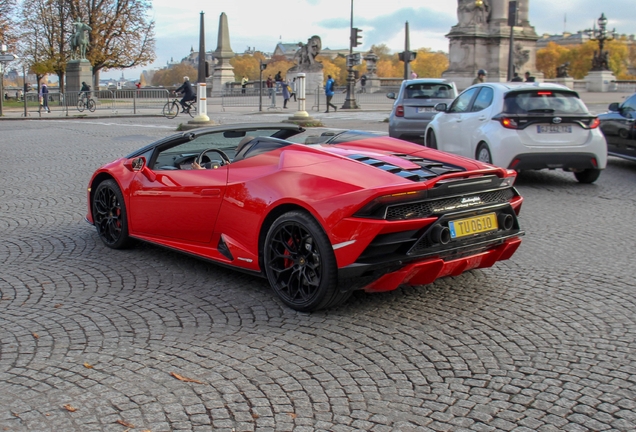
{"points": [[319, 213]]}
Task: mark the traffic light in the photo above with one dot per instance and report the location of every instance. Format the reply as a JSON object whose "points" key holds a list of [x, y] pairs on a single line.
{"points": [[356, 37], [263, 66], [407, 56]]}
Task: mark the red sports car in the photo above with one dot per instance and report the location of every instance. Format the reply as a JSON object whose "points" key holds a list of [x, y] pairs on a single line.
{"points": [[318, 213]]}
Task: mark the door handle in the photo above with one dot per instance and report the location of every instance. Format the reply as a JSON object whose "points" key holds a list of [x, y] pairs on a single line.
{"points": [[482, 118], [211, 192], [459, 119]]}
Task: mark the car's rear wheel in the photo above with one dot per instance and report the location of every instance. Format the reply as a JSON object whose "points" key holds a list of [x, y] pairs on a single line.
{"points": [[300, 264], [483, 153], [587, 176], [109, 215], [431, 140]]}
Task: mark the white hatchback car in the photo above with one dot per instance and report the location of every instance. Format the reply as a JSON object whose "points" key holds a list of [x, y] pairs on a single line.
{"points": [[522, 126]]}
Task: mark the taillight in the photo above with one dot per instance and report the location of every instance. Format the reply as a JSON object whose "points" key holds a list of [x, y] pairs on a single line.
{"points": [[595, 123], [508, 123], [399, 111]]}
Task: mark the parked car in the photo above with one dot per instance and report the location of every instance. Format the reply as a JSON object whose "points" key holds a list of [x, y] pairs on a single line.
{"points": [[318, 214], [522, 126], [414, 106], [619, 128]]}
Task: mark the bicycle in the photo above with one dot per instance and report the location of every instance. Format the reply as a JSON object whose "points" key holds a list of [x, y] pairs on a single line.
{"points": [[172, 108], [86, 101]]}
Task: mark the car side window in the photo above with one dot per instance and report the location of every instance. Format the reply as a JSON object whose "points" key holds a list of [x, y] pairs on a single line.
{"points": [[629, 106], [462, 103], [483, 99]]}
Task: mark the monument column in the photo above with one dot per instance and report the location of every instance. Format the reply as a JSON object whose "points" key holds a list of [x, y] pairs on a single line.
{"points": [[223, 70]]}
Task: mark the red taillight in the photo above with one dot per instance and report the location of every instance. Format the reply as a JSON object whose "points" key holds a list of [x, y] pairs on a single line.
{"points": [[508, 123], [595, 123], [399, 111], [544, 93]]}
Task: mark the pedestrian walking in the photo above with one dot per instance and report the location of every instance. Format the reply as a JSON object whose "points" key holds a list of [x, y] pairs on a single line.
{"points": [[292, 89], [413, 75], [481, 76], [244, 84], [329, 93], [363, 83], [529, 78], [270, 86], [44, 97], [286, 92]]}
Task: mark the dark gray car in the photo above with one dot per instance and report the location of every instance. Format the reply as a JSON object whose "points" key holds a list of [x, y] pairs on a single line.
{"points": [[619, 128], [414, 106]]}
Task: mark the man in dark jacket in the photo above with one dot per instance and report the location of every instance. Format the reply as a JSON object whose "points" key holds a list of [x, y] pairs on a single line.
{"points": [[188, 93]]}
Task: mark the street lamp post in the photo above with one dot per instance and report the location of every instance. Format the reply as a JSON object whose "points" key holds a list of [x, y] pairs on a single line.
{"points": [[350, 99], [600, 62], [3, 50]]}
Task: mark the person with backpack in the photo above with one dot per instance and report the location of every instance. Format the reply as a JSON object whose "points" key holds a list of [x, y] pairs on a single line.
{"points": [[329, 92]]}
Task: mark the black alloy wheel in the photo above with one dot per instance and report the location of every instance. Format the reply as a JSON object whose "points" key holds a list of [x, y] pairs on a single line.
{"points": [[109, 215], [300, 264]]}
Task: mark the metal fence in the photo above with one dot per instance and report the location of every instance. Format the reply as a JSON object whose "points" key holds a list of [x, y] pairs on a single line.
{"points": [[106, 101], [366, 100]]}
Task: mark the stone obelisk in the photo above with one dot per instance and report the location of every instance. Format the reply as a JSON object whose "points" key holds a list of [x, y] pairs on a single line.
{"points": [[223, 70], [481, 40]]}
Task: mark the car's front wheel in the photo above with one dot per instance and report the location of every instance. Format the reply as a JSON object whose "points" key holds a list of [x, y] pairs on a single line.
{"points": [[431, 140], [300, 264], [587, 176], [483, 153], [109, 215]]}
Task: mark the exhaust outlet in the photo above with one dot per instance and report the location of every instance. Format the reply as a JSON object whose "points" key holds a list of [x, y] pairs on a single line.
{"points": [[440, 235], [505, 221]]}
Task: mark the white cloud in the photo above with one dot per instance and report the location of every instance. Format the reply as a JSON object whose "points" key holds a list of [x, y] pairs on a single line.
{"points": [[259, 24]]}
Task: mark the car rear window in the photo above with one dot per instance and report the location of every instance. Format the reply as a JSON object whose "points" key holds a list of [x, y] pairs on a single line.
{"points": [[428, 91], [543, 102]]}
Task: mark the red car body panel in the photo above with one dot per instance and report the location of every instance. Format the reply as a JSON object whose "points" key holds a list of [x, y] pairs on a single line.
{"points": [[192, 211]]}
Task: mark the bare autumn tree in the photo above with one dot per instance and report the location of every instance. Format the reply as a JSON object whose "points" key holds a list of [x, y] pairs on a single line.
{"points": [[7, 11], [122, 35], [44, 37]]}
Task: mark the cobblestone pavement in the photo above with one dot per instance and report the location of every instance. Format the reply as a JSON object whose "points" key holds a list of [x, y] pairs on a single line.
{"points": [[89, 336]]}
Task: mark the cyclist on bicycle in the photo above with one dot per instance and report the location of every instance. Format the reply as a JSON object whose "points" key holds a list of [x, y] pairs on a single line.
{"points": [[85, 90], [188, 94]]}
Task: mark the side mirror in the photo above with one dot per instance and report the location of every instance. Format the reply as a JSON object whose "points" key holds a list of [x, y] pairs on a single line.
{"points": [[614, 106], [390, 95], [135, 164], [441, 107]]}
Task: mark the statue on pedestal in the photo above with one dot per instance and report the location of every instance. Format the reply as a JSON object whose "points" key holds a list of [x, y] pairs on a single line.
{"points": [[563, 70], [473, 12], [79, 40], [305, 57]]}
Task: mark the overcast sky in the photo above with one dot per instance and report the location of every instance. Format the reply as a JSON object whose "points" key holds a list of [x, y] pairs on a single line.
{"points": [[262, 24]]}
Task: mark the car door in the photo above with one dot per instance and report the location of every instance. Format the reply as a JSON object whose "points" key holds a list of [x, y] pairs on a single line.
{"points": [[451, 126], [620, 130], [473, 120]]}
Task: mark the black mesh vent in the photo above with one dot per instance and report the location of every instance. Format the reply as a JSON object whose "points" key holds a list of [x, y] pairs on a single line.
{"points": [[428, 169], [428, 208]]}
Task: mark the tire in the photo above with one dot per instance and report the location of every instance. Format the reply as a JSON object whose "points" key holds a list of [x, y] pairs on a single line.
{"points": [[109, 215], [431, 141], [90, 104], [81, 105], [587, 176], [300, 264], [483, 153], [193, 110], [171, 109]]}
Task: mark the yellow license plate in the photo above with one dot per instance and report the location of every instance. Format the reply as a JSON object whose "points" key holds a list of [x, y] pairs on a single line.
{"points": [[473, 225]]}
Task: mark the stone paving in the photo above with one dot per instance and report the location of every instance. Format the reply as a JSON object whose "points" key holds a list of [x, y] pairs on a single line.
{"points": [[93, 339]]}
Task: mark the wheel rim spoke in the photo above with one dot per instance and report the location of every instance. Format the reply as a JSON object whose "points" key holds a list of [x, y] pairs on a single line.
{"points": [[108, 212], [295, 263]]}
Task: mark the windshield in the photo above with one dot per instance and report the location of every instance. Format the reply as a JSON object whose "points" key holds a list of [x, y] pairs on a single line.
{"points": [[544, 102], [428, 91]]}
